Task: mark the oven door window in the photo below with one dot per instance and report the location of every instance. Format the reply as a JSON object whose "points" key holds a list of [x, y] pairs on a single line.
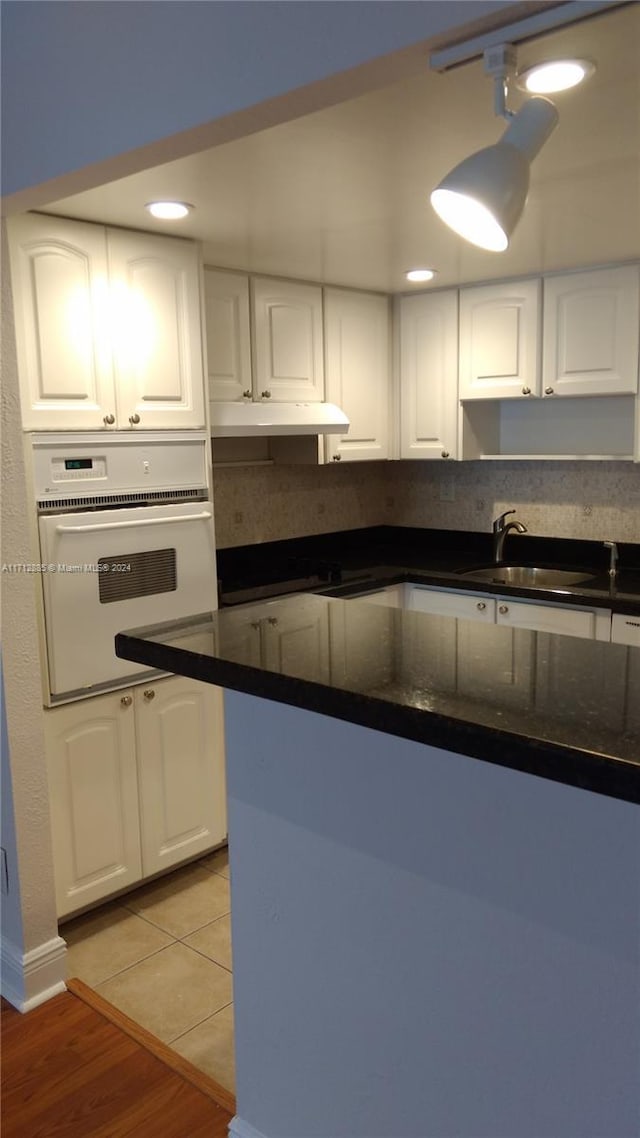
{"points": [[131, 575]]}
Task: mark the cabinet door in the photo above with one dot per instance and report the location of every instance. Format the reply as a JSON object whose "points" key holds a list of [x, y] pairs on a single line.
{"points": [[356, 331], [180, 740], [155, 291], [591, 624], [428, 376], [289, 362], [59, 275], [450, 602], [591, 332], [226, 312], [499, 341], [93, 792]]}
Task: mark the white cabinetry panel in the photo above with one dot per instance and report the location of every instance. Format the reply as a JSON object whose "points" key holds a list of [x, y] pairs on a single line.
{"points": [[108, 327], [228, 337], [180, 745], [59, 271], [137, 784], [156, 318], [591, 624], [451, 602], [428, 327], [590, 331], [289, 361], [356, 329], [91, 760], [499, 340]]}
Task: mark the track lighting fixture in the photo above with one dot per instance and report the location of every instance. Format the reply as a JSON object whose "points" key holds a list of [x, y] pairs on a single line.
{"points": [[483, 197]]}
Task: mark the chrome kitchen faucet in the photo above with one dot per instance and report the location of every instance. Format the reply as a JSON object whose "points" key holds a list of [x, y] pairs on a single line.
{"points": [[500, 531]]}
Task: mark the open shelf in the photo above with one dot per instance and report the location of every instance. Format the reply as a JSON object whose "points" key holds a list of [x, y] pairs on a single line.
{"points": [[585, 428]]}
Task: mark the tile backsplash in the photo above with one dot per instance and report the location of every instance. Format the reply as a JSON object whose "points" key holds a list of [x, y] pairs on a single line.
{"points": [[592, 500]]}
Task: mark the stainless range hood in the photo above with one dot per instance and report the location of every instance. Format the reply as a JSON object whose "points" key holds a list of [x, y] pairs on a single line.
{"points": [[246, 419]]}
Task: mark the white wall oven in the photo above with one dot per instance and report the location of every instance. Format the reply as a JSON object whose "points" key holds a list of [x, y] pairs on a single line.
{"points": [[126, 539]]}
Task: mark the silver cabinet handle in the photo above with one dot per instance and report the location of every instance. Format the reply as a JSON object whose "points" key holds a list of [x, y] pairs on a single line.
{"points": [[134, 419], [126, 700], [481, 606], [246, 394], [149, 694], [548, 391], [526, 391], [337, 458], [445, 453], [109, 420], [266, 394], [503, 608]]}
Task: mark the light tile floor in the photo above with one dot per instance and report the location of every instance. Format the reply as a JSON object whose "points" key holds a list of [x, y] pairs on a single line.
{"points": [[162, 954]]}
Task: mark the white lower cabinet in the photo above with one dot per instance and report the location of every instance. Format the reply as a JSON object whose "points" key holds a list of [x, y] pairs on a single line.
{"points": [[136, 785], [625, 629], [591, 624], [451, 602], [568, 620]]}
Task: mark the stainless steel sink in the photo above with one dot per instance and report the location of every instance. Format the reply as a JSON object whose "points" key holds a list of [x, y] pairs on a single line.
{"points": [[528, 576]]}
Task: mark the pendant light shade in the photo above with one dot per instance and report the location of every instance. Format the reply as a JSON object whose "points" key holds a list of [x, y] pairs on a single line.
{"points": [[483, 197]]}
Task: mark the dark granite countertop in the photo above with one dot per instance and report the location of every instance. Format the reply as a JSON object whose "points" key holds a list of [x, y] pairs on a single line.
{"points": [[354, 560], [554, 706]]}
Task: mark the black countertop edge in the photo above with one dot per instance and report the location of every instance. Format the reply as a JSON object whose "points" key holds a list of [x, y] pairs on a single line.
{"points": [[598, 595], [571, 766]]}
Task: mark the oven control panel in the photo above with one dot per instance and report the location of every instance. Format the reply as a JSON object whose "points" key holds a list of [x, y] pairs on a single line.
{"points": [[81, 465], [70, 468]]}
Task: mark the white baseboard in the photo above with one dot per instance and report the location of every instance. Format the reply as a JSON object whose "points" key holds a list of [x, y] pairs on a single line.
{"points": [[30, 978], [238, 1128]]}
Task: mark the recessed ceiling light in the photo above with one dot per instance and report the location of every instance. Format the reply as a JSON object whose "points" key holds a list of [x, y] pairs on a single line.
{"points": [[420, 274], [556, 75], [168, 211]]}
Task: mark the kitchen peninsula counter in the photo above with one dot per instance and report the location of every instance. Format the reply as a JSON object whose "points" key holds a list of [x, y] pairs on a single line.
{"points": [[558, 707], [428, 940]]}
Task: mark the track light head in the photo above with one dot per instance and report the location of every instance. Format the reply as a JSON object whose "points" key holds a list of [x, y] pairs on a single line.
{"points": [[483, 197]]}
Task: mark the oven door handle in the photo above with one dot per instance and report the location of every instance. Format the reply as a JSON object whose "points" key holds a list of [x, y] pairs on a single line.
{"points": [[99, 526]]}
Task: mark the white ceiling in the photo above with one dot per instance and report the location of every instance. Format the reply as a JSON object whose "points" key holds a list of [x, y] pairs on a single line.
{"points": [[341, 195]]}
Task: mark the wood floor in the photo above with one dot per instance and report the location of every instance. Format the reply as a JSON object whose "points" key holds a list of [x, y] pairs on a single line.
{"points": [[68, 1072]]}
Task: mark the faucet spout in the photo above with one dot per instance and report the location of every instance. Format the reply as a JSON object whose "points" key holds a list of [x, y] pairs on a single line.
{"points": [[501, 529]]}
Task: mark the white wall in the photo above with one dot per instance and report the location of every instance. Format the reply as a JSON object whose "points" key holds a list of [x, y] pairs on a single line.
{"points": [[32, 954], [86, 82], [446, 947]]}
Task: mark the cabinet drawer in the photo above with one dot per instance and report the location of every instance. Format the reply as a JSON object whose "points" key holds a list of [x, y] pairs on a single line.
{"points": [[625, 629], [447, 602], [591, 624]]}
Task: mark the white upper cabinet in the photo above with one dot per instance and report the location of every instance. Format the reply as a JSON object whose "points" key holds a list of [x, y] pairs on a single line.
{"points": [[288, 349], [155, 298], [356, 330], [226, 307], [107, 325], [60, 294], [591, 323], [428, 326], [500, 340]]}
